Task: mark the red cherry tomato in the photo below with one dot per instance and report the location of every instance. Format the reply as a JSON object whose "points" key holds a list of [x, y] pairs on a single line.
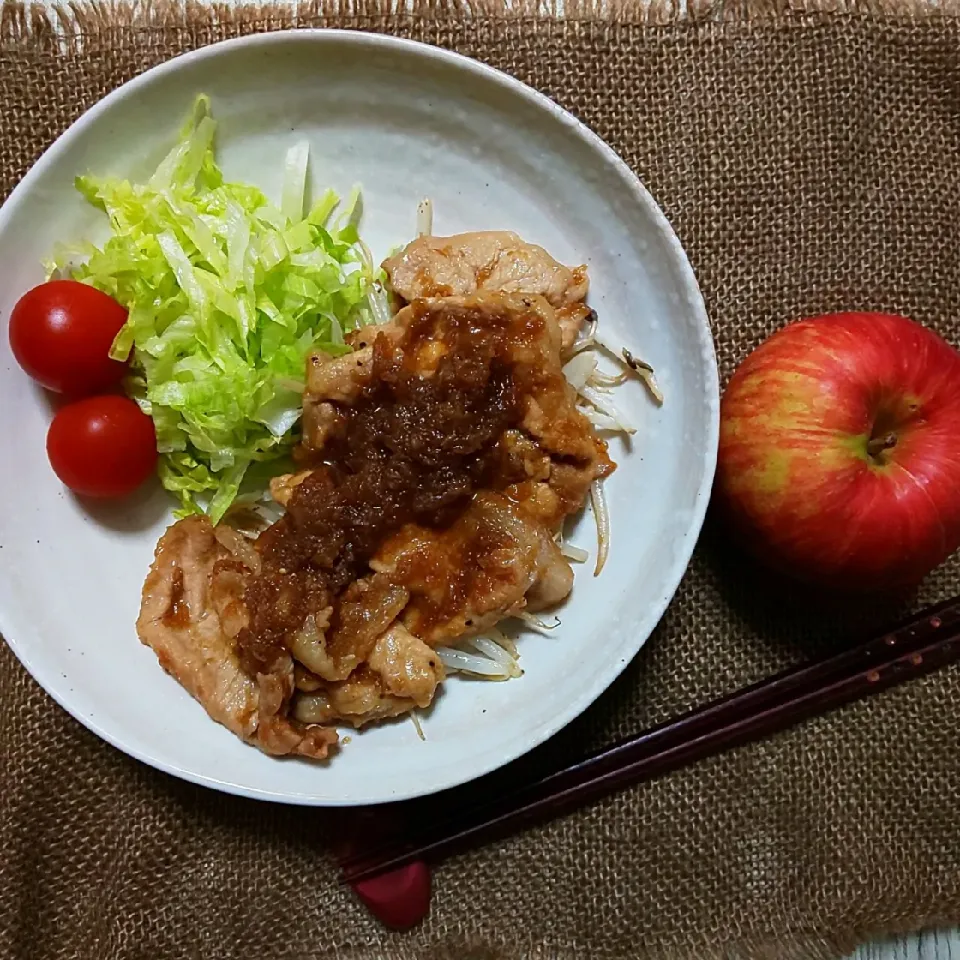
{"points": [[61, 332], [102, 446]]}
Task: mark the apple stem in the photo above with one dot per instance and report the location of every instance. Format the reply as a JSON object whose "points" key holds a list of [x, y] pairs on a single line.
{"points": [[876, 445]]}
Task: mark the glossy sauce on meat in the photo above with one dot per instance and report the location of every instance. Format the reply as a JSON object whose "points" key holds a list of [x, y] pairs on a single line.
{"points": [[177, 613], [423, 437]]}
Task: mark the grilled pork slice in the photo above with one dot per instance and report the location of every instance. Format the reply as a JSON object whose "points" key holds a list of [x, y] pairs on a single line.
{"points": [[496, 261], [486, 566], [192, 607]]}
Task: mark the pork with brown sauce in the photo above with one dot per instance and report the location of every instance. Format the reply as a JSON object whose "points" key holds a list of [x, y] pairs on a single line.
{"points": [[438, 460], [496, 261]]}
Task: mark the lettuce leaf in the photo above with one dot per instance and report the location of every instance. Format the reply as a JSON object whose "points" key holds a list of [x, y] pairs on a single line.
{"points": [[227, 296]]}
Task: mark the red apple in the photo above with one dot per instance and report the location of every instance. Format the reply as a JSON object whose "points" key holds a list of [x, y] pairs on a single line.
{"points": [[839, 456]]}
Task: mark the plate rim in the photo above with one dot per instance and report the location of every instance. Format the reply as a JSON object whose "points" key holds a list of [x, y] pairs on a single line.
{"points": [[694, 304]]}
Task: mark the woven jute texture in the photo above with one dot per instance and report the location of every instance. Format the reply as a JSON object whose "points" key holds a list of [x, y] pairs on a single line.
{"points": [[808, 161]]}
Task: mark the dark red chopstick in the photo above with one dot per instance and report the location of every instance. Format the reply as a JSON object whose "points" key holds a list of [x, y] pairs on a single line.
{"points": [[925, 642]]}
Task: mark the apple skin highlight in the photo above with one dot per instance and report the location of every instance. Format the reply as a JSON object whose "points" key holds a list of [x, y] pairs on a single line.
{"points": [[839, 457]]}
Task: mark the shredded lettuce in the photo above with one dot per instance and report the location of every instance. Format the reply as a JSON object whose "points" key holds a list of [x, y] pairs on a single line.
{"points": [[227, 295]]}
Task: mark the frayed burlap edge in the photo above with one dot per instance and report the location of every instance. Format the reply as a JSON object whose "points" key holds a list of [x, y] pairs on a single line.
{"points": [[71, 22]]}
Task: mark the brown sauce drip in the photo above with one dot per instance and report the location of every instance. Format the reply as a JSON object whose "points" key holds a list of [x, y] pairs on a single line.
{"points": [[178, 612]]}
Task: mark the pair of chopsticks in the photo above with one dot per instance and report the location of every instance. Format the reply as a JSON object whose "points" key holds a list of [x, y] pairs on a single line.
{"points": [[925, 642]]}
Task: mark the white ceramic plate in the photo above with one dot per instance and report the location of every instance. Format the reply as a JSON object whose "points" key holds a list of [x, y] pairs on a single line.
{"points": [[406, 121]]}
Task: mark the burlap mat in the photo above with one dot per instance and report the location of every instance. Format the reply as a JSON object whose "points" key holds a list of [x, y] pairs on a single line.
{"points": [[808, 163]]}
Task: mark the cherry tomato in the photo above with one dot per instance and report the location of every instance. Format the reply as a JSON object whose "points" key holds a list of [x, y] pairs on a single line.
{"points": [[102, 446], [61, 332]]}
